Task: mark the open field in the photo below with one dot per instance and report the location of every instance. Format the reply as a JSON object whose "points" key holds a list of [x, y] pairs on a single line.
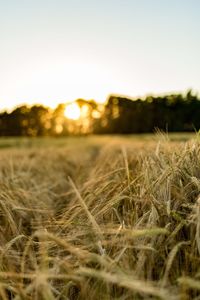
{"points": [[26, 142], [100, 218]]}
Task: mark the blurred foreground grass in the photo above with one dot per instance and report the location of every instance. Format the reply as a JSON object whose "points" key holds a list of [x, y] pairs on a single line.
{"points": [[100, 217]]}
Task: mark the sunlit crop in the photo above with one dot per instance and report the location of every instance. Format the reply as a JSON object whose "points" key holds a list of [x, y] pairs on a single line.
{"points": [[100, 218]]}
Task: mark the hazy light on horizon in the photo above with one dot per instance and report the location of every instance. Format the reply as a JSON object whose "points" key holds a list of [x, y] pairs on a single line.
{"points": [[53, 52]]}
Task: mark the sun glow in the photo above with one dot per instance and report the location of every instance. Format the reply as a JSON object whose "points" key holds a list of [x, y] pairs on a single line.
{"points": [[72, 111]]}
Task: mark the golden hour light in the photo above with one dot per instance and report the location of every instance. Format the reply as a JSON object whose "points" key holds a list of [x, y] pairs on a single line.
{"points": [[72, 111]]}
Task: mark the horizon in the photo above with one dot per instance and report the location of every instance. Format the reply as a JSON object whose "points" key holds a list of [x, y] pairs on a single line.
{"points": [[68, 102], [58, 52]]}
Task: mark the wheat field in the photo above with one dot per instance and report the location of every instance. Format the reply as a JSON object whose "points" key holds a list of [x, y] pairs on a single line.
{"points": [[100, 218]]}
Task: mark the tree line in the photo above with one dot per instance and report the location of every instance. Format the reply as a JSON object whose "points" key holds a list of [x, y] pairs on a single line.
{"points": [[120, 115]]}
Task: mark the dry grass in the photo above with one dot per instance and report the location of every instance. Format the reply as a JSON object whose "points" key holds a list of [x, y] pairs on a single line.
{"points": [[114, 220]]}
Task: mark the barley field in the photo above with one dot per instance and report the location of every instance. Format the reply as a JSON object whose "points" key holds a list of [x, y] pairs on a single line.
{"points": [[100, 218]]}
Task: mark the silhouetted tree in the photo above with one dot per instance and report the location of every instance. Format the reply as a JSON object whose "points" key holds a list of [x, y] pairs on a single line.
{"points": [[119, 115]]}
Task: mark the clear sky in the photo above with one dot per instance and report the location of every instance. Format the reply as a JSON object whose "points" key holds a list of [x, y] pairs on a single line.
{"points": [[59, 50]]}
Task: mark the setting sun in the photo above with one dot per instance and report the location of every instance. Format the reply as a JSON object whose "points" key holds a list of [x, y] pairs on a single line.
{"points": [[72, 111]]}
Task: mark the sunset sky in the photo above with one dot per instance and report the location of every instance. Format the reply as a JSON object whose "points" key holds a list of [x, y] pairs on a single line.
{"points": [[56, 51]]}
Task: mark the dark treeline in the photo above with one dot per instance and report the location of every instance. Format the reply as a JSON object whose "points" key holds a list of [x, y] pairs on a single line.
{"points": [[172, 113]]}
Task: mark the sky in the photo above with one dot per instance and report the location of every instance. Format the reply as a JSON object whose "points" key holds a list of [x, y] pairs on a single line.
{"points": [[53, 51]]}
